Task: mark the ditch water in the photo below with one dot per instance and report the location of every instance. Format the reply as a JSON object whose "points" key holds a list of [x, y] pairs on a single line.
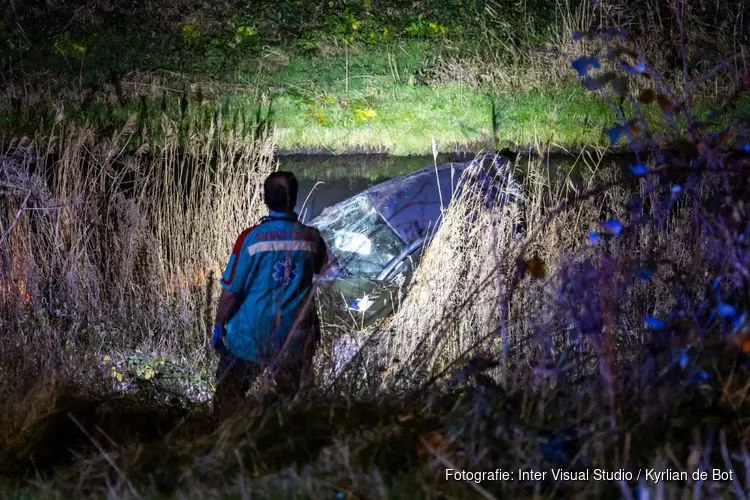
{"points": [[325, 180]]}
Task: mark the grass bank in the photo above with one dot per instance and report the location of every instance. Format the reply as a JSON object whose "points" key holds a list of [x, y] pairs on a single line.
{"points": [[404, 120], [360, 77]]}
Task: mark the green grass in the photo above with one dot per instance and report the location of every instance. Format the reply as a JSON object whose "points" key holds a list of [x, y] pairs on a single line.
{"points": [[395, 118], [377, 115], [327, 93], [407, 119], [337, 98], [316, 105]]}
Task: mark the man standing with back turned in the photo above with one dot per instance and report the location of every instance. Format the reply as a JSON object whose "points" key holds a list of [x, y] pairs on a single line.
{"points": [[266, 317]]}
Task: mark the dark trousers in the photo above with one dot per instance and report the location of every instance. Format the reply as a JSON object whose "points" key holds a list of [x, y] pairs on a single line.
{"points": [[236, 376]]}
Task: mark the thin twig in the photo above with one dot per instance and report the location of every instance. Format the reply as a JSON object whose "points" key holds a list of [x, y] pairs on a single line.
{"points": [[304, 204], [18, 216], [106, 456], [728, 464], [486, 494]]}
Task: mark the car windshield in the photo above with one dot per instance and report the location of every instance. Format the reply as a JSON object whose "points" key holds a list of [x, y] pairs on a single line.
{"points": [[359, 237]]}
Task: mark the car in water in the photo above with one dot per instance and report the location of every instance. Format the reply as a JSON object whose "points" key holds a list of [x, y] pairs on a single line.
{"points": [[375, 238]]}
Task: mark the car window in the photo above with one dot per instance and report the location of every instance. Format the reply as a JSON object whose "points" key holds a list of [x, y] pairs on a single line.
{"points": [[359, 237], [406, 266]]}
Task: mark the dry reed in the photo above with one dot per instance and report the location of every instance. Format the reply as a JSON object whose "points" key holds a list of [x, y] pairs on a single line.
{"points": [[112, 246]]}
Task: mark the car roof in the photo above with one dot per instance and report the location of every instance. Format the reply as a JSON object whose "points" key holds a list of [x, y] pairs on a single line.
{"points": [[413, 204]]}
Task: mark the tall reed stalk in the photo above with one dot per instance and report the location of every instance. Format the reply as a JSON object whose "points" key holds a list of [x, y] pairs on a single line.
{"points": [[120, 238]]}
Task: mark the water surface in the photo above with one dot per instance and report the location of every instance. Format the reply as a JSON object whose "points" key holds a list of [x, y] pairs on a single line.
{"points": [[325, 180]]}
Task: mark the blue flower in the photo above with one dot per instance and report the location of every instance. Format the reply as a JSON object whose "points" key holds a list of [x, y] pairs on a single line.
{"points": [[644, 273], [613, 226], [340, 494], [747, 147], [638, 169], [683, 359], [676, 189], [738, 322], [582, 64], [726, 311], [614, 133], [634, 70], [594, 237], [700, 376], [653, 322]]}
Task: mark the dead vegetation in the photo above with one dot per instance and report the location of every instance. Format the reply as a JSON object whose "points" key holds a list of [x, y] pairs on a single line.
{"points": [[612, 336], [548, 364]]}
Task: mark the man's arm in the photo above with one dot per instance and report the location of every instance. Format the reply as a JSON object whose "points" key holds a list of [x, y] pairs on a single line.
{"points": [[232, 282], [228, 304]]}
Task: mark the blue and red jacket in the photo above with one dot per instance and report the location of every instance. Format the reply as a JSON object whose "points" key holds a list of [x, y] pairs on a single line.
{"points": [[271, 268]]}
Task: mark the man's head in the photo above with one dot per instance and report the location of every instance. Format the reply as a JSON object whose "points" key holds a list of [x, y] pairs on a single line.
{"points": [[280, 192]]}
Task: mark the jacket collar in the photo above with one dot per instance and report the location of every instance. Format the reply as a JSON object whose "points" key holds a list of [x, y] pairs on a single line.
{"points": [[282, 214], [292, 216]]}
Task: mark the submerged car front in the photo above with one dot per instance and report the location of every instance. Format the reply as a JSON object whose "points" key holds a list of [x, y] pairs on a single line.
{"points": [[375, 238]]}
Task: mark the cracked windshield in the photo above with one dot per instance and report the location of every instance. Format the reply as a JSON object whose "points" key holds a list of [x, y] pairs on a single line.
{"points": [[360, 239]]}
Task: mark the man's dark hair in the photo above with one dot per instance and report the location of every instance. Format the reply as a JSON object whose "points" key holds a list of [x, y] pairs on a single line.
{"points": [[280, 191]]}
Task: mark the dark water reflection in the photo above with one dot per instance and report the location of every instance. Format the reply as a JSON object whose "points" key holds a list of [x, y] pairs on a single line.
{"points": [[340, 177], [343, 176]]}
